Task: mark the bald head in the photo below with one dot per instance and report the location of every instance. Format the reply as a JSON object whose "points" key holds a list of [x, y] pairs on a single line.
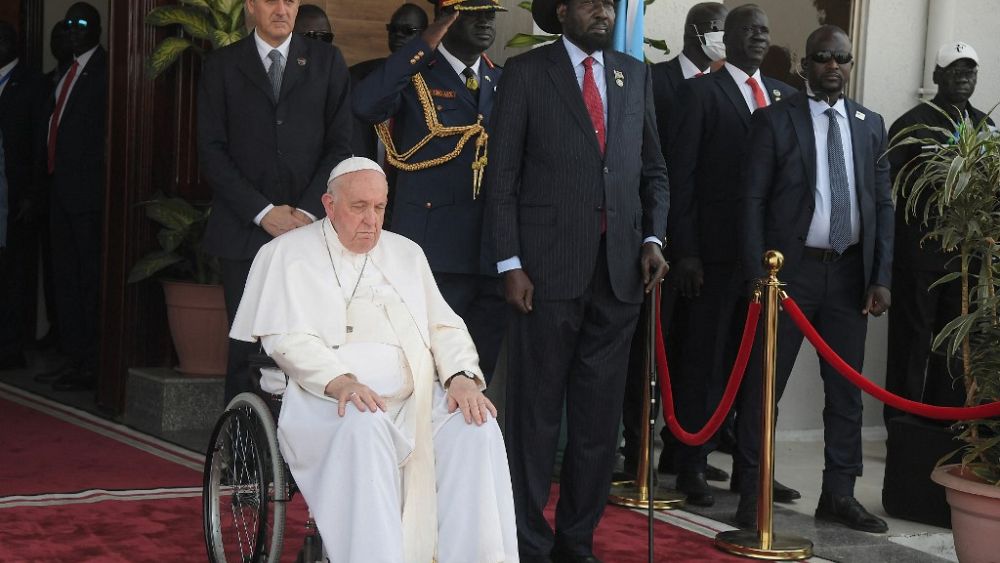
{"points": [[825, 34]]}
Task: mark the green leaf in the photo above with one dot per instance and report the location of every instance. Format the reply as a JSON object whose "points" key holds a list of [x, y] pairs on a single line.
{"points": [[222, 38], [192, 19], [170, 239], [945, 279], [165, 54], [173, 213], [236, 19], [151, 264], [197, 3], [657, 44], [524, 5], [525, 40]]}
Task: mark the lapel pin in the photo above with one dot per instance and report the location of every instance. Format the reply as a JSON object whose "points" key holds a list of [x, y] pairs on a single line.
{"points": [[488, 79], [776, 93], [859, 115], [302, 61], [619, 78]]}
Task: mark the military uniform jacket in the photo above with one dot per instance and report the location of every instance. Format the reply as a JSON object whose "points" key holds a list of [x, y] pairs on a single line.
{"points": [[433, 207]]}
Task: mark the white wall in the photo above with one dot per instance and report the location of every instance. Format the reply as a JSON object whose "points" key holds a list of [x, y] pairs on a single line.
{"points": [[665, 20]]}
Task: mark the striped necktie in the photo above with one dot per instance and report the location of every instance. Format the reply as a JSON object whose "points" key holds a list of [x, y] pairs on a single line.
{"points": [[840, 192], [276, 70]]}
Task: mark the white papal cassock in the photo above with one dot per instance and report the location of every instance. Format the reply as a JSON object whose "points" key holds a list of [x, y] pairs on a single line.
{"points": [[414, 483]]}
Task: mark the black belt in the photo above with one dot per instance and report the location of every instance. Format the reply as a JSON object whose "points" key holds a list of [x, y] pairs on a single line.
{"points": [[826, 255]]}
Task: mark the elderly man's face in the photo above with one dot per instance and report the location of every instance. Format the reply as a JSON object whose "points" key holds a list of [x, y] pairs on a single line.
{"points": [[957, 82], [273, 19], [588, 23], [357, 209]]}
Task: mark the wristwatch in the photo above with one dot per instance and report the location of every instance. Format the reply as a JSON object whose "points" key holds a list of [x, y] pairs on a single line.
{"points": [[465, 373]]}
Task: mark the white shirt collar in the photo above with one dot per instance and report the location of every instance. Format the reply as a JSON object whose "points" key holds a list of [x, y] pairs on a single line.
{"points": [[5, 69], [688, 68], [576, 54], [456, 64], [82, 60], [818, 108], [263, 48], [741, 77]]}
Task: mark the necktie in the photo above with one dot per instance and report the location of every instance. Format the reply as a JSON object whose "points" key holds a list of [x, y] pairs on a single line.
{"points": [[840, 193], [759, 100], [275, 71], [57, 114], [697, 74], [471, 82], [592, 99]]}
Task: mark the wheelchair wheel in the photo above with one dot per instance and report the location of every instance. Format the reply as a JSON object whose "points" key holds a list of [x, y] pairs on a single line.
{"points": [[244, 490]]}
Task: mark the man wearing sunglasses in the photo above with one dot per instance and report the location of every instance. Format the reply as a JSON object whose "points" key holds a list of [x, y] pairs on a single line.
{"points": [[313, 23], [75, 142], [816, 189], [273, 120], [921, 311], [442, 79], [704, 158]]}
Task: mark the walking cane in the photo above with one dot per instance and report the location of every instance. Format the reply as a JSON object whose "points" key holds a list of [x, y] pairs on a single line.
{"points": [[643, 493]]}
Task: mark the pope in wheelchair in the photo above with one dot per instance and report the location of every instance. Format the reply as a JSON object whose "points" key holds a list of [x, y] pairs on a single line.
{"points": [[383, 423]]}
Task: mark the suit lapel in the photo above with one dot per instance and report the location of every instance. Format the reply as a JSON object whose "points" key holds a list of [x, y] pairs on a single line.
{"points": [[772, 90], [83, 80], [859, 146], [802, 123], [487, 87], [296, 66], [251, 66], [562, 74], [732, 91], [616, 95]]}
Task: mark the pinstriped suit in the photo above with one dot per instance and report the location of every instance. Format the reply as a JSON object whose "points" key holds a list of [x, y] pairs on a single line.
{"points": [[549, 184]]}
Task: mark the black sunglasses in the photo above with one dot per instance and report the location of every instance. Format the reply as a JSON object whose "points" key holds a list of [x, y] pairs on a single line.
{"points": [[80, 23], [324, 36], [402, 29], [823, 57]]}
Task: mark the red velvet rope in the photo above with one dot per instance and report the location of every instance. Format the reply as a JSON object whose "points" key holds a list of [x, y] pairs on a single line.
{"points": [[732, 387], [928, 411]]}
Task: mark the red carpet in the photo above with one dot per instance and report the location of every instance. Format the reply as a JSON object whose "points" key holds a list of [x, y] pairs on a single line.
{"points": [[77, 488]]}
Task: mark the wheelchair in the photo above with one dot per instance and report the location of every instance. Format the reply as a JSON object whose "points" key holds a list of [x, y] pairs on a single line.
{"points": [[246, 485]]}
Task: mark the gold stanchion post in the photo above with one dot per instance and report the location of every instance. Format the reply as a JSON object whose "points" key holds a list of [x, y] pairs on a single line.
{"points": [[763, 543], [637, 494]]}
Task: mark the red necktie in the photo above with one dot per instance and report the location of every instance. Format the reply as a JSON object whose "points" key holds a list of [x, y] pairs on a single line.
{"points": [[57, 112], [592, 99], [758, 94]]}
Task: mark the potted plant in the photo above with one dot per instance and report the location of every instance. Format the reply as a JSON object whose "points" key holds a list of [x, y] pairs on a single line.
{"points": [[954, 189], [202, 23], [196, 308]]}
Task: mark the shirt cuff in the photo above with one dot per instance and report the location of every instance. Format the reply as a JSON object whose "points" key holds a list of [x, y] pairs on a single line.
{"points": [[260, 216], [512, 263], [307, 214], [653, 239]]}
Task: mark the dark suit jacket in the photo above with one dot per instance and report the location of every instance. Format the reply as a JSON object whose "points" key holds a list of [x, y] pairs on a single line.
{"points": [[909, 231], [365, 141], [780, 180], [667, 77], [434, 207], [22, 114], [549, 181], [256, 151], [77, 182], [711, 123]]}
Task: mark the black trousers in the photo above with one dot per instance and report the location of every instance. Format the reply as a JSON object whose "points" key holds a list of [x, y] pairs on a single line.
{"points": [[480, 302], [574, 350], [831, 295], [917, 314], [19, 280], [234, 278], [707, 330], [76, 269]]}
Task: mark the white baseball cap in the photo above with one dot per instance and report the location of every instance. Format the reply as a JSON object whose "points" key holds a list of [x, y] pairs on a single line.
{"points": [[955, 50], [354, 164]]}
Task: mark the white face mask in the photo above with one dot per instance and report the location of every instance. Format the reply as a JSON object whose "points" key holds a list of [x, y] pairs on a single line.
{"points": [[713, 46]]}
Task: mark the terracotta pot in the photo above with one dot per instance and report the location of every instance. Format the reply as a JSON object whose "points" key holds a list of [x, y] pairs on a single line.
{"points": [[975, 513], [199, 327]]}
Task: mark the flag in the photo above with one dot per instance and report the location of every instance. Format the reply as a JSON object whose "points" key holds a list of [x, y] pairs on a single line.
{"points": [[629, 28]]}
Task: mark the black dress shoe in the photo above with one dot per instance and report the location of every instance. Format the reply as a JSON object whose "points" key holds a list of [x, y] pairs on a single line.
{"points": [[696, 488], [848, 511], [52, 375], [712, 473], [78, 380], [781, 492], [746, 513]]}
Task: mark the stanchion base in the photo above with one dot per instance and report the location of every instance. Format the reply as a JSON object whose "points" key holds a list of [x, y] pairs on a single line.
{"points": [[746, 543], [626, 493]]}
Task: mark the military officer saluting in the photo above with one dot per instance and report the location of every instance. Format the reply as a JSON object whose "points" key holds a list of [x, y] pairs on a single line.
{"points": [[430, 103]]}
